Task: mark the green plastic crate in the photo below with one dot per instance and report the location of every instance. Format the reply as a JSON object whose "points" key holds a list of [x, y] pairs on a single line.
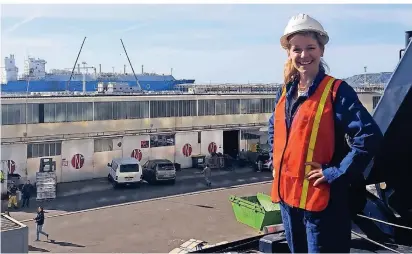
{"points": [[256, 211]]}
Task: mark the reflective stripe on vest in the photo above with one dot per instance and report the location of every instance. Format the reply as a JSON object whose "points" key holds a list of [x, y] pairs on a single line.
{"points": [[312, 141], [299, 144]]}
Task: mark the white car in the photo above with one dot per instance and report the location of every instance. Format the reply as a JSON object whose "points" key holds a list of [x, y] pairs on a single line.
{"points": [[125, 171]]}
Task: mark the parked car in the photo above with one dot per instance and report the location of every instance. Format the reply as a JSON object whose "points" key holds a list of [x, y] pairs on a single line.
{"points": [[159, 170], [263, 161], [125, 171], [260, 158]]}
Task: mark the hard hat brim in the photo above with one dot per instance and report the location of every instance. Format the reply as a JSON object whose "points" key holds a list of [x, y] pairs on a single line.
{"points": [[284, 40]]}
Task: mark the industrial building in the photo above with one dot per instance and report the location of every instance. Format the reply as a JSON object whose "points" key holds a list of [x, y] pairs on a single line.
{"points": [[83, 132]]}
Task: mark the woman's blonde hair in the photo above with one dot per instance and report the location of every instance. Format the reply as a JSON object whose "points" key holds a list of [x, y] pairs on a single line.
{"points": [[290, 73]]}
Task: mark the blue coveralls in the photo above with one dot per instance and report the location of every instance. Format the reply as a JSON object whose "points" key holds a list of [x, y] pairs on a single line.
{"points": [[330, 229]]}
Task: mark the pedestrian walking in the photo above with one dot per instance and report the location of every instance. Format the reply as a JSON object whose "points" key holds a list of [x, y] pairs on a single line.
{"points": [[207, 173], [26, 193], [40, 222]]}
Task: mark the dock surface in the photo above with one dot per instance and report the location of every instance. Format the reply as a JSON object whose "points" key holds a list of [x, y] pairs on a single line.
{"points": [[158, 225]]}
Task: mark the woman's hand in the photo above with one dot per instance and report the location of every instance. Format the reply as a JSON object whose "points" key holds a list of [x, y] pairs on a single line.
{"points": [[316, 173]]}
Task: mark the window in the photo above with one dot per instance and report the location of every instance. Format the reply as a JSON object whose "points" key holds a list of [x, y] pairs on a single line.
{"points": [[251, 106], [162, 140], [267, 105], [13, 114], [250, 134], [207, 108], [35, 150], [121, 110], [103, 145], [129, 168], [375, 100], [174, 108]]}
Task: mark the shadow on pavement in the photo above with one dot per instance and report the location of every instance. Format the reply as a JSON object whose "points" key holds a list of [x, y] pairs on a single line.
{"points": [[32, 248], [66, 244]]}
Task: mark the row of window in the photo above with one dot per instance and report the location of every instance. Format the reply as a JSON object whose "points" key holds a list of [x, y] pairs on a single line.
{"points": [[36, 150], [44, 149], [89, 111]]}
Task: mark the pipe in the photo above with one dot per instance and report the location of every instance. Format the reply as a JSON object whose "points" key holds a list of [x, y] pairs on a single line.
{"points": [[129, 60], [74, 66]]}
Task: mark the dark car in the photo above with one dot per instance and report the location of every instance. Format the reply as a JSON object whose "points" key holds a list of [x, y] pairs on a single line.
{"points": [[159, 170], [263, 161]]}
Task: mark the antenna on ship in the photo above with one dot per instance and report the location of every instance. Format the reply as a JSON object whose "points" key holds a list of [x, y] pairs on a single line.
{"points": [[137, 81], [68, 82]]}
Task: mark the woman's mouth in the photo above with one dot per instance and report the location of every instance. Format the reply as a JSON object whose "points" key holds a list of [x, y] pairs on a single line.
{"points": [[305, 62]]}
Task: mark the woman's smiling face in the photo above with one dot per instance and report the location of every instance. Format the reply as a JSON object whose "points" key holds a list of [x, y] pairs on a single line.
{"points": [[305, 53]]}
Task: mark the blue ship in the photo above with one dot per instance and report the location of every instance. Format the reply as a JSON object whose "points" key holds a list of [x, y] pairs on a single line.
{"points": [[36, 79]]}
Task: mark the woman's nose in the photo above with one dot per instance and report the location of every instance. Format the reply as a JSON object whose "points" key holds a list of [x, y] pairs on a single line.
{"points": [[303, 53]]}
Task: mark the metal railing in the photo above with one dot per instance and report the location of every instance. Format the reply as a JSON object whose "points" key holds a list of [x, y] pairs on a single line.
{"points": [[186, 91]]}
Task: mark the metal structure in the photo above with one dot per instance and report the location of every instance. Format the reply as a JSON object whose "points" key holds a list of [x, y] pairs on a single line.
{"points": [[223, 89], [14, 236]]}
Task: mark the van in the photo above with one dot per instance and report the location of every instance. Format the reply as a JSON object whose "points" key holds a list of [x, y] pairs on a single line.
{"points": [[125, 171]]}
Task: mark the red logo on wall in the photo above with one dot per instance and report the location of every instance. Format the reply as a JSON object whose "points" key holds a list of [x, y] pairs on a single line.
{"points": [[187, 150], [212, 148], [11, 166], [137, 154], [77, 161]]}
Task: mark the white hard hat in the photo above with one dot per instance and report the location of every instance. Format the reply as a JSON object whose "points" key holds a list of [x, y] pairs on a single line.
{"points": [[303, 22]]}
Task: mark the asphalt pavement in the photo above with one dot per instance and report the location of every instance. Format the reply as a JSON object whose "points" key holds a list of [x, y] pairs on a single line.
{"points": [[148, 226], [109, 196]]}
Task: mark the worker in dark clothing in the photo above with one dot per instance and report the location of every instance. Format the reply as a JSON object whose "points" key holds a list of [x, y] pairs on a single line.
{"points": [[12, 196], [26, 193], [314, 168], [40, 222]]}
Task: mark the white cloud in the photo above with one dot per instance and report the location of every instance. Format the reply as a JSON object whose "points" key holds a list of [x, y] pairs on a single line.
{"points": [[18, 24]]}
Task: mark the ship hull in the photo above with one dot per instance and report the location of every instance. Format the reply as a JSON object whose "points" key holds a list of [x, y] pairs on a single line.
{"points": [[91, 86]]}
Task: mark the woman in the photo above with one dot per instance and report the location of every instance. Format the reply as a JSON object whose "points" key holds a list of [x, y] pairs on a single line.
{"points": [[322, 139]]}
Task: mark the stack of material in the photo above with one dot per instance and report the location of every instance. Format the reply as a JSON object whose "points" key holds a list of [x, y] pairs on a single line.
{"points": [[46, 185]]}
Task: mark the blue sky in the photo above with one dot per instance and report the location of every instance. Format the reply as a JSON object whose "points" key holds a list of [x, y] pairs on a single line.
{"points": [[211, 43]]}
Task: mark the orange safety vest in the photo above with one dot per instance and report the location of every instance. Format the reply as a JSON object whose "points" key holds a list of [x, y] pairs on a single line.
{"points": [[311, 138]]}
